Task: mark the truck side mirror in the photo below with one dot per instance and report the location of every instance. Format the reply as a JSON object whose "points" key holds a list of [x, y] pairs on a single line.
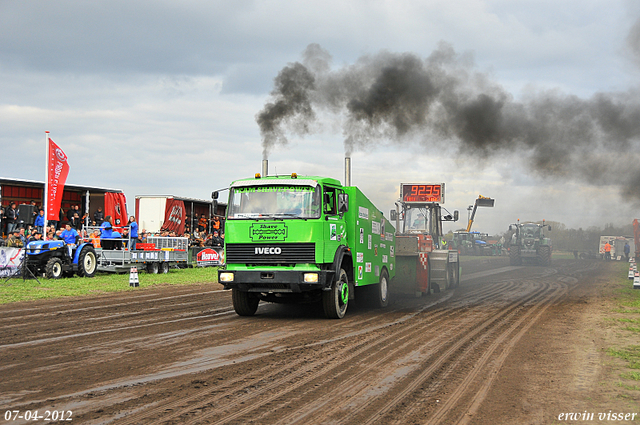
{"points": [[343, 202], [549, 227], [456, 215], [393, 215], [214, 195], [511, 227]]}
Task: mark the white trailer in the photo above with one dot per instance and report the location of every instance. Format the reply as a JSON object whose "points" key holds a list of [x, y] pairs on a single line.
{"points": [[617, 246], [152, 210]]}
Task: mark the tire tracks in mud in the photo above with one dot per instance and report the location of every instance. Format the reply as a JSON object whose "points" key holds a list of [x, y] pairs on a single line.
{"points": [[294, 380], [387, 365]]}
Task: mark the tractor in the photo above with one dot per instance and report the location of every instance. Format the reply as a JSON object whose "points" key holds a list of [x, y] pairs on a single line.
{"points": [[529, 243], [56, 259]]}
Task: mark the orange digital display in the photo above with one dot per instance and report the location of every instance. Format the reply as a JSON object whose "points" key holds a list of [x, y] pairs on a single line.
{"points": [[422, 193]]}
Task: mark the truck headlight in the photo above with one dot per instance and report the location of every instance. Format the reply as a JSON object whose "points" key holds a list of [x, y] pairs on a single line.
{"points": [[311, 278], [225, 277]]}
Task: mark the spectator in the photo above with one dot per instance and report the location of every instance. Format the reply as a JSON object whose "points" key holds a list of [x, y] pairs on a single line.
{"points": [[627, 250], [215, 223], [107, 231], [70, 212], [98, 216], [125, 236], [12, 217], [216, 240], [2, 221], [607, 251], [202, 223], [76, 222], [133, 232], [22, 236], [35, 236], [94, 238], [39, 221], [13, 241], [35, 209]]}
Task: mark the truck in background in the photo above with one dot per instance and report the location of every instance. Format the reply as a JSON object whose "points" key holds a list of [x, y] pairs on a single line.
{"points": [[305, 239], [425, 262]]}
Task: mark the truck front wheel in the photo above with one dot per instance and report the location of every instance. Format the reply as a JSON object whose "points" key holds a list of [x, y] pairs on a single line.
{"points": [[336, 300], [244, 303]]}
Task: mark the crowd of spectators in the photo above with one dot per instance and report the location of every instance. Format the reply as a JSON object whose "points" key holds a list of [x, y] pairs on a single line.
{"points": [[74, 225]]}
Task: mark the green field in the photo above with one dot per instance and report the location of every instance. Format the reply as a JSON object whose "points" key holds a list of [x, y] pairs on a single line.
{"points": [[16, 289]]}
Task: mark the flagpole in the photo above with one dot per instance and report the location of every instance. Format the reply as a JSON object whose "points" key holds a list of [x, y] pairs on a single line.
{"points": [[46, 186]]}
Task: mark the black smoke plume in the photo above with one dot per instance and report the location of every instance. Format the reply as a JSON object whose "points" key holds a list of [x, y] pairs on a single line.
{"points": [[395, 98]]}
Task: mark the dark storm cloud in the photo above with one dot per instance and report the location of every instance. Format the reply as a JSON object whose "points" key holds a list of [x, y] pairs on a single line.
{"points": [[397, 98]]}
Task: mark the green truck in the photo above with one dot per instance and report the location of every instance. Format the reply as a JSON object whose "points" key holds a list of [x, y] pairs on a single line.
{"points": [[305, 239]]}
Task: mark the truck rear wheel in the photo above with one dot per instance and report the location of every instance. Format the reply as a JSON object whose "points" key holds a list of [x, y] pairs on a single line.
{"points": [[53, 269], [380, 294], [336, 300], [244, 303], [87, 263]]}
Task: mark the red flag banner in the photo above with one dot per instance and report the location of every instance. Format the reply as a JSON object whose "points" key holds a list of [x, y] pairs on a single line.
{"points": [[115, 205], [57, 171], [174, 217]]}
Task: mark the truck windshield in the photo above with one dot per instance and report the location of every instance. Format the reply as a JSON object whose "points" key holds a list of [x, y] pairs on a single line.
{"points": [[274, 202], [416, 220]]}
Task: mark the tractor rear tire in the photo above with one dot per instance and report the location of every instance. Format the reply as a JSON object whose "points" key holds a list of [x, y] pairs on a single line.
{"points": [[544, 256], [336, 300], [87, 262], [53, 269], [514, 256], [244, 303]]}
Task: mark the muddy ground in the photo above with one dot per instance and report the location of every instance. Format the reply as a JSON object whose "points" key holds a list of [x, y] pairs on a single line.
{"points": [[511, 345]]}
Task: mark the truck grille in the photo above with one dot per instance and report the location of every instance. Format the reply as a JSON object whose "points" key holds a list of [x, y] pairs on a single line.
{"points": [[282, 253]]}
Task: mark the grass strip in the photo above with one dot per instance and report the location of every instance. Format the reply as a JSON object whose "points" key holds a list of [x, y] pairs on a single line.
{"points": [[16, 289]]}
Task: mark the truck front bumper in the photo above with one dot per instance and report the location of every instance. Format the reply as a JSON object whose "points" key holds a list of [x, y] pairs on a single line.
{"points": [[292, 281]]}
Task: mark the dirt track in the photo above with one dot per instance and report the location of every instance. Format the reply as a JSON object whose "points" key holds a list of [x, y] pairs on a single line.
{"points": [[511, 345]]}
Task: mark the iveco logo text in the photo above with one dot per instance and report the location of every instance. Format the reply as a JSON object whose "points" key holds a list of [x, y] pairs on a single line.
{"points": [[270, 251]]}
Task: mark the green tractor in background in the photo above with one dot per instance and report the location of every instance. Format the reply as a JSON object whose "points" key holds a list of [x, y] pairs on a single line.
{"points": [[529, 243]]}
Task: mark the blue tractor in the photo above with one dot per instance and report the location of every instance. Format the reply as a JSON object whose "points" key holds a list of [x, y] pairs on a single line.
{"points": [[56, 259]]}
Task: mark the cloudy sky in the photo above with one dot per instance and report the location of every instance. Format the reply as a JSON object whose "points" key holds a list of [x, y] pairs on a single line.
{"points": [[162, 97]]}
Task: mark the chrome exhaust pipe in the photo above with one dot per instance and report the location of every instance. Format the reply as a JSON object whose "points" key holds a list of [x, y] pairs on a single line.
{"points": [[347, 171], [265, 167]]}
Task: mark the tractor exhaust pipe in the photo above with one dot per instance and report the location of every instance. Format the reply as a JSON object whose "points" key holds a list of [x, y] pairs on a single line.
{"points": [[347, 171], [265, 167]]}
